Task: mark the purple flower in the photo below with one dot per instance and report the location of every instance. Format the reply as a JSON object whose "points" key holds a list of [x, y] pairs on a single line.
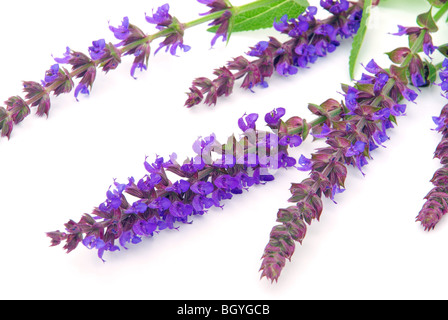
{"points": [[60, 76], [181, 210], [247, 122], [282, 24], [149, 182], [335, 6], [121, 32], [141, 59], [298, 28], [81, 88], [160, 203], [305, 164], [227, 182], [137, 207], [273, 117], [380, 82], [428, 46], [335, 190], [355, 149], [409, 94], [179, 187], [145, 228], [380, 137], [223, 24], [285, 69], [172, 42], [259, 49], [201, 203], [398, 109], [215, 5], [66, 58], [129, 237], [440, 122], [291, 140], [325, 131], [92, 242], [52, 74], [202, 188], [86, 82], [161, 18]]}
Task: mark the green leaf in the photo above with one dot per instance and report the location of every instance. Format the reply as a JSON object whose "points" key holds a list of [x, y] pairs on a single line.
{"points": [[425, 20], [359, 37], [264, 16]]}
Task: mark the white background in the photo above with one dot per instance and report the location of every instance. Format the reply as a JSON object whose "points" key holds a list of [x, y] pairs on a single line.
{"points": [[368, 246]]}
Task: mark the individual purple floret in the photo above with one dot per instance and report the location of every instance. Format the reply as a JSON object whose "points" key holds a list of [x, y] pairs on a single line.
{"points": [[436, 201], [335, 6], [130, 34], [351, 131], [98, 49], [310, 39]]}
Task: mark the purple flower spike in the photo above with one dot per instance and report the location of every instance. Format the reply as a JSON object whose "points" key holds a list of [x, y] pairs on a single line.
{"points": [[161, 18], [121, 32], [273, 117]]}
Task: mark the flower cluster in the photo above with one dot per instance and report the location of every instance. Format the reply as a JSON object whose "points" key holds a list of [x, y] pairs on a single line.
{"points": [[436, 204], [310, 39], [204, 183]]}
